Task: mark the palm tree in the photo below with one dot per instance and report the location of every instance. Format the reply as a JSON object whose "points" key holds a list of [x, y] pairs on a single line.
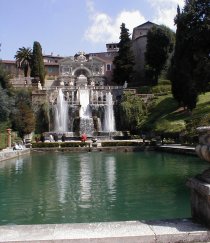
{"points": [[23, 59]]}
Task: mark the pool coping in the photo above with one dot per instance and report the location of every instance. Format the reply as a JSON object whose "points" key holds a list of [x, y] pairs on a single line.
{"points": [[9, 153], [161, 231]]}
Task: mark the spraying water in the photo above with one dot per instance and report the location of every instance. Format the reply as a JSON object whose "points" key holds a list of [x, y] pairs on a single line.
{"points": [[109, 120], [61, 113], [86, 121], [84, 102]]}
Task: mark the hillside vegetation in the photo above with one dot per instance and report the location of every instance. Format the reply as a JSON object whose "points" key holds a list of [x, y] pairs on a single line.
{"points": [[166, 117]]}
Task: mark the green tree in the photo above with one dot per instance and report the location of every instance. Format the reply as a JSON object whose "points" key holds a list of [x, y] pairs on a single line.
{"points": [[23, 59], [42, 119], [132, 112], [124, 61], [23, 119], [4, 78], [160, 43], [37, 65], [5, 105], [190, 63]]}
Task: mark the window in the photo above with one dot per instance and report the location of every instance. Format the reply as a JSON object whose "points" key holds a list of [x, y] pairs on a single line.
{"points": [[108, 67]]}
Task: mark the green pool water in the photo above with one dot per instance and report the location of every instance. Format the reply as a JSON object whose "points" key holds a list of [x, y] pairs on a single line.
{"points": [[91, 187]]}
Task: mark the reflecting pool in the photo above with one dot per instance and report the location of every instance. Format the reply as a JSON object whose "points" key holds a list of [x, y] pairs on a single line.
{"points": [[91, 187]]}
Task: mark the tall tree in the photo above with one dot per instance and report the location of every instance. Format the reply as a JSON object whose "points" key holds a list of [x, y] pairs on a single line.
{"points": [[191, 61], [23, 59], [160, 43], [124, 61], [4, 78], [37, 67], [5, 105], [23, 119]]}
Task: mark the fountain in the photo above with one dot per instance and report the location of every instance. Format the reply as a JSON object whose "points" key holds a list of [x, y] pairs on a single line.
{"points": [[61, 113], [109, 120], [82, 103]]}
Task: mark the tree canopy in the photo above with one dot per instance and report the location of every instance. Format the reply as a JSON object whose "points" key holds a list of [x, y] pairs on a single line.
{"points": [[132, 112], [124, 61], [190, 70], [23, 59], [160, 43], [23, 119], [37, 65]]}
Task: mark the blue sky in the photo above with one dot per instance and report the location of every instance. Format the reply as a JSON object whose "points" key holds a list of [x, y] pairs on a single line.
{"points": [[64, 27]]}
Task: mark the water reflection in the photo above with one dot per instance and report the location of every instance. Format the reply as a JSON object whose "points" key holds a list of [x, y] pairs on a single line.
{"points": [[91, 187], [19, 165], [62, 179], [111, 175], [85, 179]]}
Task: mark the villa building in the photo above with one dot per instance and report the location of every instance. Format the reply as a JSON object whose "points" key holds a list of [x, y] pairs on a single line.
{"points": [[53, 64]]}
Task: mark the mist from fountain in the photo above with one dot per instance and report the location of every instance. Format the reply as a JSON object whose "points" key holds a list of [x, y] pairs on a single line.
{"points": [[61, 113], [84, 97], [86, 120], [109, 119]]}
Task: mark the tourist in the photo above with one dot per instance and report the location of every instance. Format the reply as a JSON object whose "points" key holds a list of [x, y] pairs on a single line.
{"points": [[56, 137], [17, 146], [63, 138], [83, 137]]}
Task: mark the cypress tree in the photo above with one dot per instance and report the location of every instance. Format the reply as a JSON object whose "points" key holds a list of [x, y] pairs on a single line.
{"points": [[37, 66], [124, 61], [189, 69]]}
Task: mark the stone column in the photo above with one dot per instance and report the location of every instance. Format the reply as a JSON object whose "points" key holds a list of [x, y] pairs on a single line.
{"points": [[9, 140], [200, 184]]}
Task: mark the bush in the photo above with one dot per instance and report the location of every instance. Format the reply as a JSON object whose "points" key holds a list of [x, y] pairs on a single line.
{"points": [[161, 89], [120, 143], [164, 82], [45, 145], [62, 145], [74, 144]]}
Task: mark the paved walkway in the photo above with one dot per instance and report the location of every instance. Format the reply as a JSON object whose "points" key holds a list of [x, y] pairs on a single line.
{"points": [[169, 231]]}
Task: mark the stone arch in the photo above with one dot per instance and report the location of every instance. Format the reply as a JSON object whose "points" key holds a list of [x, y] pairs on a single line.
{"points": [[82, 70]]}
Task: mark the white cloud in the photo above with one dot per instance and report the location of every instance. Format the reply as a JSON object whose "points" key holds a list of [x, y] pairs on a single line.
{"points": [[106, 29], [165, 11]]}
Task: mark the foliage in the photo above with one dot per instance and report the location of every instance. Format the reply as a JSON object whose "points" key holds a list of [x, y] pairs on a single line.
{"points": [[160, 43], [120, 143], [3, 134], [161, 89], [58, 144], [190, 63], [23, 59], [42, 119], [45, 145], [5, 105], [124, 61], [23, 119], [4, 78], [37, 65], [132, 112]]}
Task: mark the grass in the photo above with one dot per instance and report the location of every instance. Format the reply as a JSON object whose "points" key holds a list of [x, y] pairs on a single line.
{"points": [[166, 116]]}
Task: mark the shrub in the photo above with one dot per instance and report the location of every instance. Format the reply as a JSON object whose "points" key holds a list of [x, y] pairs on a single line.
{"points": [[120, 143], [45, 145], [161, 89]]}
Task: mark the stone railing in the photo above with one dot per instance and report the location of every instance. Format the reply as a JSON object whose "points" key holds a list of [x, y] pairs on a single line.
{"points": [[203, 148], [200, 184]]}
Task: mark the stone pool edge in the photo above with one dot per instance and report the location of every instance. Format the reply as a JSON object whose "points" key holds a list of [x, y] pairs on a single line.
{"points": [[7, 154], [161, 231]]}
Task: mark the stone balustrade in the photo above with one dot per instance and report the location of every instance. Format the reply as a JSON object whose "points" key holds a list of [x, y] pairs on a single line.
{"points": [[200, 184]]}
